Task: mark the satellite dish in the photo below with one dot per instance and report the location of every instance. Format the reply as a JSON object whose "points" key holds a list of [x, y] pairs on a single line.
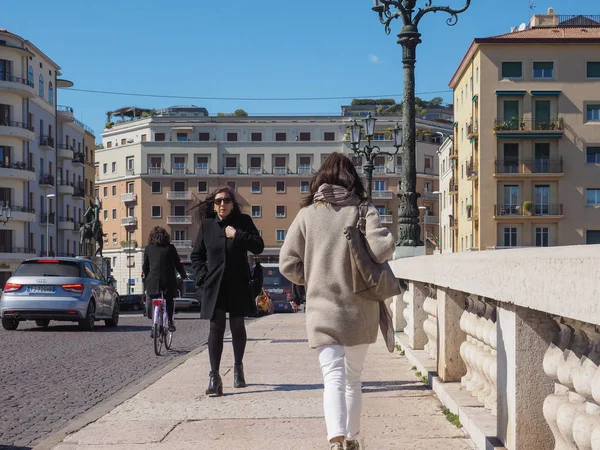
{"points": [[522, 27], [513, 29]]}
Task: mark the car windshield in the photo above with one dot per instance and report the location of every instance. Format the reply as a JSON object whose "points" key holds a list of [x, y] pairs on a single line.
{"points": [[48, 268], [272, 277]]}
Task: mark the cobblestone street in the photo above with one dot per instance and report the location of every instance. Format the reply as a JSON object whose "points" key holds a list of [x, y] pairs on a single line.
{"points": [[50, 376]]}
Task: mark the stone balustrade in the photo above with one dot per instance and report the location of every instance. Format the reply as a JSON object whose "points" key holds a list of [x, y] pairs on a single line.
{"points": [[510, 341]]}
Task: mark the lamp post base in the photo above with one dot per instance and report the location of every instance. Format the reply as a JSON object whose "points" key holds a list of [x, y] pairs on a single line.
{"points": [[409, 252]]}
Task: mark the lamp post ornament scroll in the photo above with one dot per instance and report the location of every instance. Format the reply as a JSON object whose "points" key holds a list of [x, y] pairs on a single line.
{"points": [[409, 37]]}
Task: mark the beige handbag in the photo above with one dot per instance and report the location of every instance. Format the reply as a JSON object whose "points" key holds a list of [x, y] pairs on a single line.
{"points": [[372, 280]]}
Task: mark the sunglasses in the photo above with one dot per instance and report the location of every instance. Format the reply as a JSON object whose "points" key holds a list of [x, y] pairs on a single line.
{"points": [[220, 201]]}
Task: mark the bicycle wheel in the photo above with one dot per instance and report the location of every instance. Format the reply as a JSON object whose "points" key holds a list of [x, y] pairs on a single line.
{"points": [[158, 339], [168, 338]]}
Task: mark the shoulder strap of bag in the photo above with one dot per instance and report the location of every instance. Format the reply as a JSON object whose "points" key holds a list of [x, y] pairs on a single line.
{"points": [[362, 217]]}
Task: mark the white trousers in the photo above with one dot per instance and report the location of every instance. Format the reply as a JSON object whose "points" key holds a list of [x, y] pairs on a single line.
{"points": [[342, 397]]}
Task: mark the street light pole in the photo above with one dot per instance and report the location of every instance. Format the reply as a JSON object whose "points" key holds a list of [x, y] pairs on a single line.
{"points": [[48, 197], [409, 38]]}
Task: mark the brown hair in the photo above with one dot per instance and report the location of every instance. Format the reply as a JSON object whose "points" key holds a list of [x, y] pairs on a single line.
{"points": [[336, 169], [205, 207], [159, 236]]}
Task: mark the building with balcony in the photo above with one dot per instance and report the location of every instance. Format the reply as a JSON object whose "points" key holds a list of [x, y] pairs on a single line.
{"points": [[153, 168], [447, 158], [38, 144], [528, 129]]}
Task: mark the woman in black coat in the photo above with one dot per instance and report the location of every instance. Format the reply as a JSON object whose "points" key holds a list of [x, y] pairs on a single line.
{"points": [[161, 261], [220, 261]]}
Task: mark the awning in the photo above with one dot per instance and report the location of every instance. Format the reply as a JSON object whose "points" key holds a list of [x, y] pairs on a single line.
{"points": [[510, 93], [182, 128], [545, 93]]}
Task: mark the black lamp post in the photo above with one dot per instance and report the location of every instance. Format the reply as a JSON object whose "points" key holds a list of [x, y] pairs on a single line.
{"points": [[409, 37], [370, 152]]}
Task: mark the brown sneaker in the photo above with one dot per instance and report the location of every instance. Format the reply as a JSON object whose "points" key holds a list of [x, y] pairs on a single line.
{"points": [[351, 444]]}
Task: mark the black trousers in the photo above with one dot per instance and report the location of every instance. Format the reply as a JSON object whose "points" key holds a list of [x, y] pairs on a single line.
{"points": [[218, 324]]}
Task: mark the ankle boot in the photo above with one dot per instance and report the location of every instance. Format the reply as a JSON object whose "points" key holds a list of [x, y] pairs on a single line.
{"points": [[215, 385], [239, 380]]}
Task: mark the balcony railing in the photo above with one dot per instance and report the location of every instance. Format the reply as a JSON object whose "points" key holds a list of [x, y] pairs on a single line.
{"points": [[387, 218], [472, 128], [426, 195], [16, 165], [79, 192], [578, 21], [230, 171], [431, 220], [78, 158], [254, 171], [128, 221], [182, 243], [48, 218], [47, 141], [471, 169], [499, 351], [179, 171], [382, 194], [398, 168], [129, 197], [201, 170], [179, 220], [47, 180], [9, 249], [536, 166], [536, 210], [64, 108], [179, 195], [12, 123], [379, 170], [11, 79], [155, 170], [452, 186], [279, 170], [542, 125], [304, 170]]}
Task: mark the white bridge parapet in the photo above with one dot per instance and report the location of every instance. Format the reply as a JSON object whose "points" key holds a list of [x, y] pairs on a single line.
{"points": [[510, 340]]}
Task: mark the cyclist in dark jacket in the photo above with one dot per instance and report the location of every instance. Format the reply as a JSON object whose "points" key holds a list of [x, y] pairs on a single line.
{"points": [[161, 262]]}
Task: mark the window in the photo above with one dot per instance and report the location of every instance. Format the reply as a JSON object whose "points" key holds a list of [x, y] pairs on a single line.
{"points": [[156, 187], [592, 197], [543, 69], [179, 210], [510, 237], [109, 144], [231, 184], [159, 136], [114, 214], [256, 211], [379, 185], [512, 69], [256, 187], [114, 167], [50, 93], [256, 137], [143, 138], [204, 136], [131, 211], [329, 136], [202, 186], [427, 186], [592, 237], [41, 85], [106, 214], [256, 164], [428, 162], [130, 164], [179, 186], [280, 137], [104, 168], [304, 187], [130, 188], [130, 261], [593, 155], [542, 237], [305, 136], [179, 235], [30, 76], [280, 211], [280, 187], [182, 137], [114, 190], [593, 113], [230, 162], [232, 137], [105, 191], [123, 141], [156, 211], [593, 69], [280, 235]]}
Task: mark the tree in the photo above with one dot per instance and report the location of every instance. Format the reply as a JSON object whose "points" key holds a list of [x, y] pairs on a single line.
{"points": [[436, 102], [240, 112]]}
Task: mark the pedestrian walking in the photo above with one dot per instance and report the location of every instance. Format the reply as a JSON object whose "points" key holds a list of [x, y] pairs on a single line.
{"points": [[340, 324], [220, 261], [161, 263], [298, 296]]}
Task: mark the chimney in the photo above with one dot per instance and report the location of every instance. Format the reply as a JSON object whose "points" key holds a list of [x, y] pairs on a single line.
{"points": [[544, 20]]}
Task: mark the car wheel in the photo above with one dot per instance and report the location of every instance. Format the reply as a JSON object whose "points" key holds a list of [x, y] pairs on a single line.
{"points": [[87, 323], [42, 323], [8, 323], [114, 320]]}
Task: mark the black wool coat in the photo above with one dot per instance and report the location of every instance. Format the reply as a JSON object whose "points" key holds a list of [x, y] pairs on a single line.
{"points": [[160, 264], [218, 260]]}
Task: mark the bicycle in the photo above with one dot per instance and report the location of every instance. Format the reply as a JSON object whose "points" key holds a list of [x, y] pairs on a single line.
{"points": [[160, 325]]}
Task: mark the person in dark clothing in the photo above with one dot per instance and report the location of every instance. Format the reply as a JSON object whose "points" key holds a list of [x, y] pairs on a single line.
{"points": [[220, 261], [161, 262], [298, 295]]}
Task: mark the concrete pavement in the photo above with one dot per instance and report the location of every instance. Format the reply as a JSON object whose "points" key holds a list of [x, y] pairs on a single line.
{"points": [[280, 409]]}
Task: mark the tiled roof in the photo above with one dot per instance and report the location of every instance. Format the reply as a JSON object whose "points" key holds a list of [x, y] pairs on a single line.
{"points": [[553, 33]]}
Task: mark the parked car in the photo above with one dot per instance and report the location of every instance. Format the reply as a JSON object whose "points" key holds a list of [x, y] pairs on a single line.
{"points": [[133, 302], [264, 305], [62, 289]]}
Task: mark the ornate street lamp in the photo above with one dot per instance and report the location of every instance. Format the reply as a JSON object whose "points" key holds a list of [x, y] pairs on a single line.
{"points": [[370, 152], [5, 213], [409, 37]]}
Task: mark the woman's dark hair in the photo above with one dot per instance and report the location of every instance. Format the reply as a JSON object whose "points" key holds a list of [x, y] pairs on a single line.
{"points": [[206, 209], [337, 169], [159, 236]]}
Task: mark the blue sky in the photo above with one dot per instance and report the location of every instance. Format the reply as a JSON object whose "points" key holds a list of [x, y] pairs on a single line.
{"points": [[249, 49]]}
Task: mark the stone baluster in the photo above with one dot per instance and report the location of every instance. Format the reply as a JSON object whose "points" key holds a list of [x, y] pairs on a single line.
{"points": [[491, 401], [399, 307], [414, 297], [467, 325], [430, 325]]}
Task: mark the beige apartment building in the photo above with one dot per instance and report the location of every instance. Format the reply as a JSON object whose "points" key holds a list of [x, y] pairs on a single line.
{"points": [[526, 150], [152, 170]]}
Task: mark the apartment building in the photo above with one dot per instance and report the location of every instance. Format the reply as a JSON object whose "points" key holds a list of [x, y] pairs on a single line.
{"points": [[446, 158], [40, 166], [527, 137], [153, 169]]}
